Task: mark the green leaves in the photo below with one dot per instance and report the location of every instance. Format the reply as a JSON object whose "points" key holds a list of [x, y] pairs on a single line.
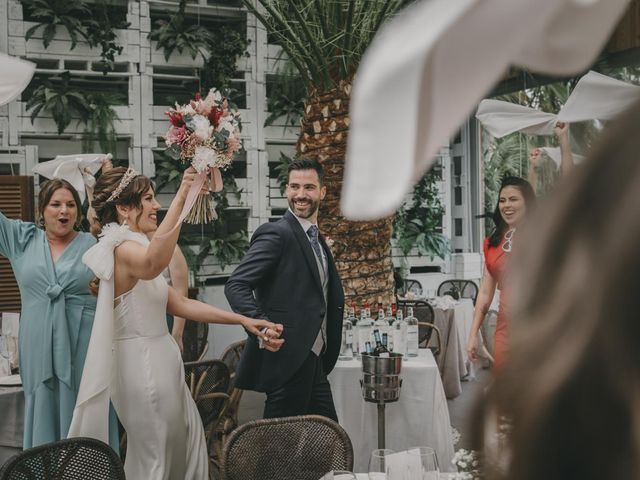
{"points": [[52, 14], [417, 222], [59, 98], [100, 33], [100, 122], [177, 34], [325, 39]]}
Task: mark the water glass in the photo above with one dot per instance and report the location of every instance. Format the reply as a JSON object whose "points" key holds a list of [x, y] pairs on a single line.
{"points": [[425, 462], [339, 475], [378, 464]]}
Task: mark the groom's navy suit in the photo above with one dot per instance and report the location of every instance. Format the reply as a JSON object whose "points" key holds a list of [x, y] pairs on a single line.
{"points": [[279, 280]]}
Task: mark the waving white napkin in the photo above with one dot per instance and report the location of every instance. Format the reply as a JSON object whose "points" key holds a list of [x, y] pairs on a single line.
{"points": [[16, 75], [91, 413], [595, 96], [427, 69], [78, 170]]}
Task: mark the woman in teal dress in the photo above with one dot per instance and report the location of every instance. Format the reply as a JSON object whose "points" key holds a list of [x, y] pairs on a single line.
{"points": [[57, 310]]}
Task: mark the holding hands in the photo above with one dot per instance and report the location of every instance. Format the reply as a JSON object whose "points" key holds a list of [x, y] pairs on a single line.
{"points": [[267, 332]]}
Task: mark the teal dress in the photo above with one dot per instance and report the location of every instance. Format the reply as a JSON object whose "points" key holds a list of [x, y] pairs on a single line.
{"points": [[55, 327]]}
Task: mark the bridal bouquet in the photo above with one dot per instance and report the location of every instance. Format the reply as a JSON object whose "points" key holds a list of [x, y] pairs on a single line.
{"points": [[205, 133]]}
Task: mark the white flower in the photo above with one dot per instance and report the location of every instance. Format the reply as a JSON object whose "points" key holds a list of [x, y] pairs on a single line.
{"points": [[185, 109], [214, 95], [204, 158], [201, 127]]}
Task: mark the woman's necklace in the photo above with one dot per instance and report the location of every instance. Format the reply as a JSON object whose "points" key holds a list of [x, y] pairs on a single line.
{"points": [[508, 236]]}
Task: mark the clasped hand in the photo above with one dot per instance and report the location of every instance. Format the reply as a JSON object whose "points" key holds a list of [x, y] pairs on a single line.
{"points": [[267, 331]]}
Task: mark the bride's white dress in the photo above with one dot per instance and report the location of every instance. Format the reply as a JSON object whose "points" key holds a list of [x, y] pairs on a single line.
{"points": [[165, 437]]}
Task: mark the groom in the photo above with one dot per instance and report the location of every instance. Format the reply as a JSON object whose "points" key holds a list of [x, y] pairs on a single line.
{"points": [[288, 276]]}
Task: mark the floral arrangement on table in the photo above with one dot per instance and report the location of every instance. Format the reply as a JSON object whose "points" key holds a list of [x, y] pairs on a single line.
{"points": [[465, 461], [205, 133]]}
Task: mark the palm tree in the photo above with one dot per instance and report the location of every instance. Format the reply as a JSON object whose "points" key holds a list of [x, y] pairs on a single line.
{"points": [[325, 40]]}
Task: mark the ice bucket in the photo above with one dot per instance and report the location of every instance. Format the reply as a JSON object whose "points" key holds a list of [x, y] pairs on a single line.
{"points": [[381, 380]]}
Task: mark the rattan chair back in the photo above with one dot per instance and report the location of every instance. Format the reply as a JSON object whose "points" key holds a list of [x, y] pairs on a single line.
{"points": [[464, 288], [70, 459], [195, 340], [208, 381], [290, 448]]}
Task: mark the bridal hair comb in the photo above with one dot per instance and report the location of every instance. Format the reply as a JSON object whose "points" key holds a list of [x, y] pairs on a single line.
{"points": [[129, 175]]}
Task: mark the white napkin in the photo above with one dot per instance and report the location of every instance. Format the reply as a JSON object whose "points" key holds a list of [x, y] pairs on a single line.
{"points": [[10, 331], [16, 75], [78, 170], [595, 96], [429, 67], [11, 380]]}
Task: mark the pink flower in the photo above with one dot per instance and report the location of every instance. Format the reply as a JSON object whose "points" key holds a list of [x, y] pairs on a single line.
{"points": [[234, 143], [175, 135]]}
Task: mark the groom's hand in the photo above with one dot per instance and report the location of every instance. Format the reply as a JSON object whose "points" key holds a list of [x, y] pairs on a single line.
{"points": [[269, 338]]}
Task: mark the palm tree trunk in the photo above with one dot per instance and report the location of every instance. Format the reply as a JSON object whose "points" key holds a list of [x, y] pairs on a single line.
{"points": [[362, 250]]}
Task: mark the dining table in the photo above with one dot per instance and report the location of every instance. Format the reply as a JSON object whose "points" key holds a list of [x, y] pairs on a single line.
{"points": [[11, 421], [420, 417]]}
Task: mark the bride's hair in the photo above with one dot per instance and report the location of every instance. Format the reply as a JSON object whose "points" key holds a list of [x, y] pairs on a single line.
{"points": [[131, 195]]}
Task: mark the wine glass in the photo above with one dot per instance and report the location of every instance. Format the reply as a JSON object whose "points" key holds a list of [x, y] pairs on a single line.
{"points": [[377, 464], [423, 464], [339, 475]]}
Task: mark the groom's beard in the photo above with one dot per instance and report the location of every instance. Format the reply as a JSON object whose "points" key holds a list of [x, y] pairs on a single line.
{"points": [[304, 210]]}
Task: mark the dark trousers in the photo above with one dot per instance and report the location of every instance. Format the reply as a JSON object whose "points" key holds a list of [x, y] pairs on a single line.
{"points": [[307, 392]]}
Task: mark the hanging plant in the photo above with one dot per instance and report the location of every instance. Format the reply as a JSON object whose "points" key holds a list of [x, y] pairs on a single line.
{"points": [[177, 34], [282, 169], [100, 122], [226, 45], [417, 221], [101, 33], [52, 14], [59, 98], [285, 96]]}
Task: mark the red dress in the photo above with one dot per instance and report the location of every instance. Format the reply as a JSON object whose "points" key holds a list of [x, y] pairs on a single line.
{"points": [[495, 259]]}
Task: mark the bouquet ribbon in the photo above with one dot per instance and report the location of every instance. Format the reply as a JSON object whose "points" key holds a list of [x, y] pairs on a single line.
{"points": [[214, 177]]}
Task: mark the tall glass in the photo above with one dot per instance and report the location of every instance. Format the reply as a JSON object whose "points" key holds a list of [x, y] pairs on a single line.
{"points": [[424, 464], [378, 464]]}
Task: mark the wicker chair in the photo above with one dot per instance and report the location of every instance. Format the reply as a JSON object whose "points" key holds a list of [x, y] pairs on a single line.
{"points": [[425, 332], [463, 288], [69, 459], [231, 357], [208, 381], [290, 448], [195, 341]]}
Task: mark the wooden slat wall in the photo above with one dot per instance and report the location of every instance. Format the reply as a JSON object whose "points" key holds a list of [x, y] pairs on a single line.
{"points": [[16, 201]]}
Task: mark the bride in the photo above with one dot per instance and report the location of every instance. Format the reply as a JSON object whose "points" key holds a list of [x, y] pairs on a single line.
{"points": [[132, 360]]}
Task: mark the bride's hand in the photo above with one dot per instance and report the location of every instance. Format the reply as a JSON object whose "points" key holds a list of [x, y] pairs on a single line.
{"points": [[188, 178], [268, 331]]}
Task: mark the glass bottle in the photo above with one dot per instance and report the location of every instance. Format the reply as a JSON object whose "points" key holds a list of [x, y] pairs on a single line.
{"points": [[384, 351], [400, 334], [390, 318], [412, 334], [380, 349], [346, 351], [381, 323], [364, 329]]}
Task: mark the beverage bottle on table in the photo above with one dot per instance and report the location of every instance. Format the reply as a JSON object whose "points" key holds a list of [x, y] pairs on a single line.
{"points": [[381, 322], [380, 349], [384, 351], [412, 334], [400, 334], [364, 329], [390, 318], [367, 348], [346, 350]]}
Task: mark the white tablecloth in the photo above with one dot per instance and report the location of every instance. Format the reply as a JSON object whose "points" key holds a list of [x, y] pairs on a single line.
{"points": [[11, 421], [454, 324], [419, 418]]}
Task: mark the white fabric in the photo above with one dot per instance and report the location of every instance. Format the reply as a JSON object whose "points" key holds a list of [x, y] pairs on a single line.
{"points": [[555, 155], [426, 70], [78, 170], [16, 75], [419, 418], [595, 96], [134, 362]]}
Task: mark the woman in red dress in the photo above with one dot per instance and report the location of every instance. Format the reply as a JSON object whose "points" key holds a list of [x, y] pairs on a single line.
{"points": [[515, 201]]}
